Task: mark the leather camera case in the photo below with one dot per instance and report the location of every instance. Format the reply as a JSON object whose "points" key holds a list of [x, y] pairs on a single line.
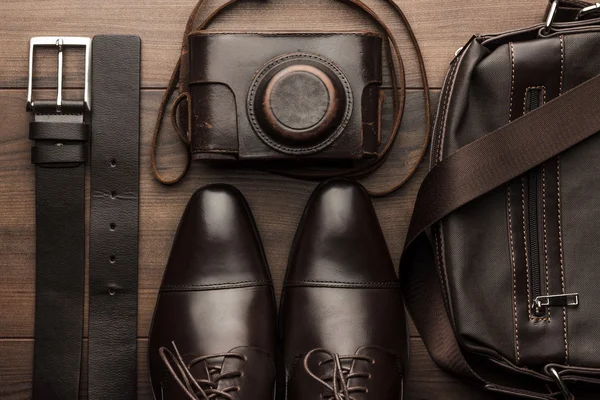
{"points": [[278, 96]]}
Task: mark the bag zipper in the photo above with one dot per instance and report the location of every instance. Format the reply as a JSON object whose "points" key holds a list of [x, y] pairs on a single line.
{"points": [[534, 97], [540, 302], [535, 273]]}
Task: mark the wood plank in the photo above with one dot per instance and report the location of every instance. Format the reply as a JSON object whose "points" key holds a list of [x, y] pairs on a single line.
{"points": [[441, 27], [277, 204], [424, 381]]}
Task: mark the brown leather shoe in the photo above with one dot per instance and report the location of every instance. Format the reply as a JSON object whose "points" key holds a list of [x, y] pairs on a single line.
{"points": [[342, 316], [214, 329]]}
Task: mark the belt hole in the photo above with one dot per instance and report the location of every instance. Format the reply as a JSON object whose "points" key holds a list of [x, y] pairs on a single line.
{"points": [[113, 195], [112, 291], [113, 162], [113, 259], [113, 226]]}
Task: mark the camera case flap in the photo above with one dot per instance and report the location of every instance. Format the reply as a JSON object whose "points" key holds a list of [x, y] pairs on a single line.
{"points": [[274, 95]]}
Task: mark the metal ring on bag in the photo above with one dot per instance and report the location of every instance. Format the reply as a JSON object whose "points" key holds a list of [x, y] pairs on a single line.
{"points": [[561, 385], [587, 10]]}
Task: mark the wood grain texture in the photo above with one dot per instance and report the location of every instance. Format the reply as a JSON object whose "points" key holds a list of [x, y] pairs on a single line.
{"points": [[441, 26]]}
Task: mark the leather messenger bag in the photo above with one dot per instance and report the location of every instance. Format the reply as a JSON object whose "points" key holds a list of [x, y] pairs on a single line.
{"points": [[501, 268]]}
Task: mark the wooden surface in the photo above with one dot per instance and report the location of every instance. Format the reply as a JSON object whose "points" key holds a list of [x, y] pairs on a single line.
{"points": [[442, 26]]}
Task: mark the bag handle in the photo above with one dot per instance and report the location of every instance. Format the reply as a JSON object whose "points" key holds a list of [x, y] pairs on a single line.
{"points": [[469, 173], [181, 75]]}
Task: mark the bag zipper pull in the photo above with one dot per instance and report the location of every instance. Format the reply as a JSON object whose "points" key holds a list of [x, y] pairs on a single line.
{"points": [[560, 300]]}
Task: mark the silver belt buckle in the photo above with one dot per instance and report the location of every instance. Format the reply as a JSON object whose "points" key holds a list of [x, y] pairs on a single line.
{"points": [[61, 42]]}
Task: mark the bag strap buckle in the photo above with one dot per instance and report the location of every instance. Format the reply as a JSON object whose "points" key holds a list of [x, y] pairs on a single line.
{"points": [[588, 10], [60, 43], [561, 385]]}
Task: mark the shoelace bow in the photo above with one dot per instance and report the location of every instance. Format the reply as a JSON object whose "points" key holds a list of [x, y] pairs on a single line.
{"points": [[338, 388], [200, 389]]}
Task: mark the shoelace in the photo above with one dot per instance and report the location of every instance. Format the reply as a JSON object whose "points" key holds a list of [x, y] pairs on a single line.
{"points": [[200, 389], [339, 388]]}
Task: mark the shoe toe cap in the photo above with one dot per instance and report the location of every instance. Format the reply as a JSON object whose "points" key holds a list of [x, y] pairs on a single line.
{"points": [[217, 241], [340, 239]]}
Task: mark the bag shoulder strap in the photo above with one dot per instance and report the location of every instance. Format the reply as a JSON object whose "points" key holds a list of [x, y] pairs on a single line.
{"points": [[507, 153], [469, 173]]}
